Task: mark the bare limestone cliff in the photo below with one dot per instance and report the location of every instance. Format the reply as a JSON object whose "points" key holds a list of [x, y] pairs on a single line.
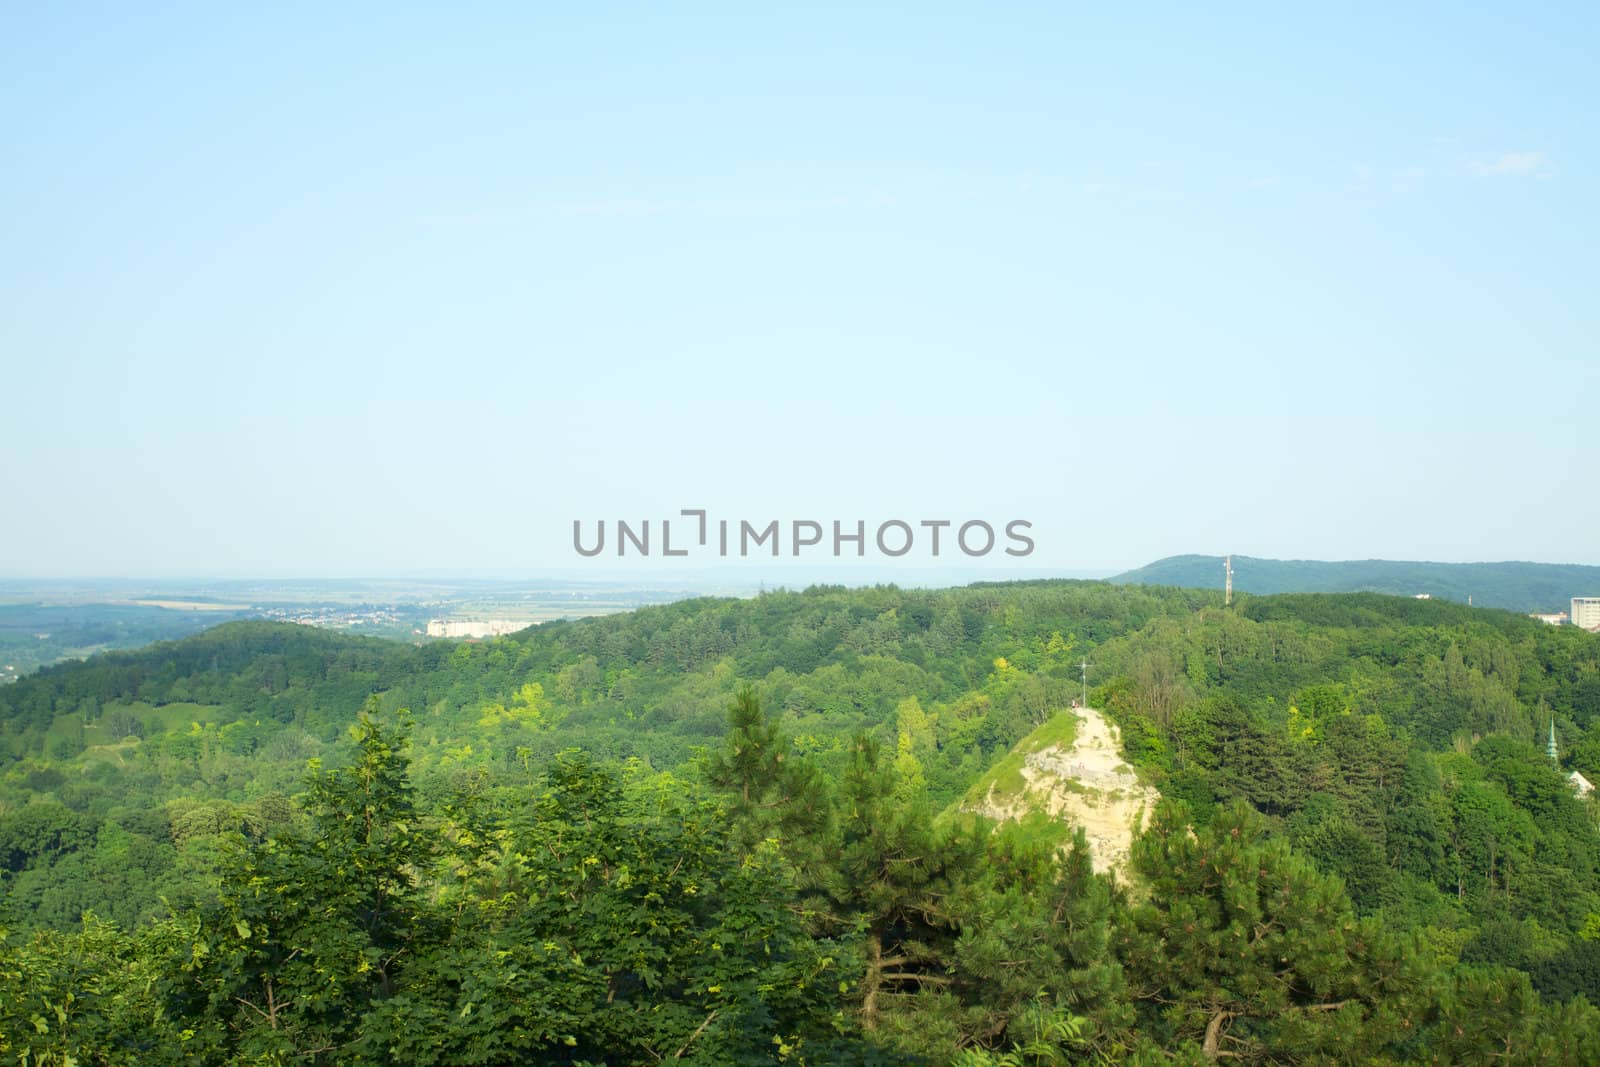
{"points": [[1072, 770]]}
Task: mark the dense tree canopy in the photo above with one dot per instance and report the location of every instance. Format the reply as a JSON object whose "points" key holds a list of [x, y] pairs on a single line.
{"points": [[730, 831]]}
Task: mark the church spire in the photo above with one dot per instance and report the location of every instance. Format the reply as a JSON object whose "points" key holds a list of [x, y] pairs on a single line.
{"points": [[1552, 746]]}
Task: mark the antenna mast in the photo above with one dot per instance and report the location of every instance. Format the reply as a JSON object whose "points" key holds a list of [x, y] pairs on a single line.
{"points": [[1227, 589], [1084, 667]]}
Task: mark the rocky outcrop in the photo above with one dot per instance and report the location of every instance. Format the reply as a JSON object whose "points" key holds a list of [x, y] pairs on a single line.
{"points": [[1085, 784]]}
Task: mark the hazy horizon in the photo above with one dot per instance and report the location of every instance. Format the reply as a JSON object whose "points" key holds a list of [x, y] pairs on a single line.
{"points": [[736, 572], [660, 574]]}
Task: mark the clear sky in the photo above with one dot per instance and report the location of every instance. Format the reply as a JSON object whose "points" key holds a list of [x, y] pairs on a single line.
{"points": [[391, 290]]}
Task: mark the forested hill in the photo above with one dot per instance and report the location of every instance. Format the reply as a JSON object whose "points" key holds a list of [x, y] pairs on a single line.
{"points": [[1515, 586], [728, 831], [651, 683]]}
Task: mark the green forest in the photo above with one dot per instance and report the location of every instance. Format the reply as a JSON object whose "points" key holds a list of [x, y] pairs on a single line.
{"points": [[728, 831]]}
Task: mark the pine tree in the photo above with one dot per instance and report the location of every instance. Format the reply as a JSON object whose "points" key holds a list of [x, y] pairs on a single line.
{"points": [[771, 791], [1248, 951]]}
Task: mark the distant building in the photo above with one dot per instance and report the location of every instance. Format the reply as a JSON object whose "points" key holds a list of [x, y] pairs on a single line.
{"points": [[1586, 612], [475, 627], [1422, 596], [1558, 618], [1580, 785]]}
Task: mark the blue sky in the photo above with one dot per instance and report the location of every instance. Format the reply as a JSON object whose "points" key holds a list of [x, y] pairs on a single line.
{"points": [[392, 290]]}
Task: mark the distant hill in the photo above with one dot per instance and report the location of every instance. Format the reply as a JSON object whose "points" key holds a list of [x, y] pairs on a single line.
{"points": [[1512, 585], [34, 635]]}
